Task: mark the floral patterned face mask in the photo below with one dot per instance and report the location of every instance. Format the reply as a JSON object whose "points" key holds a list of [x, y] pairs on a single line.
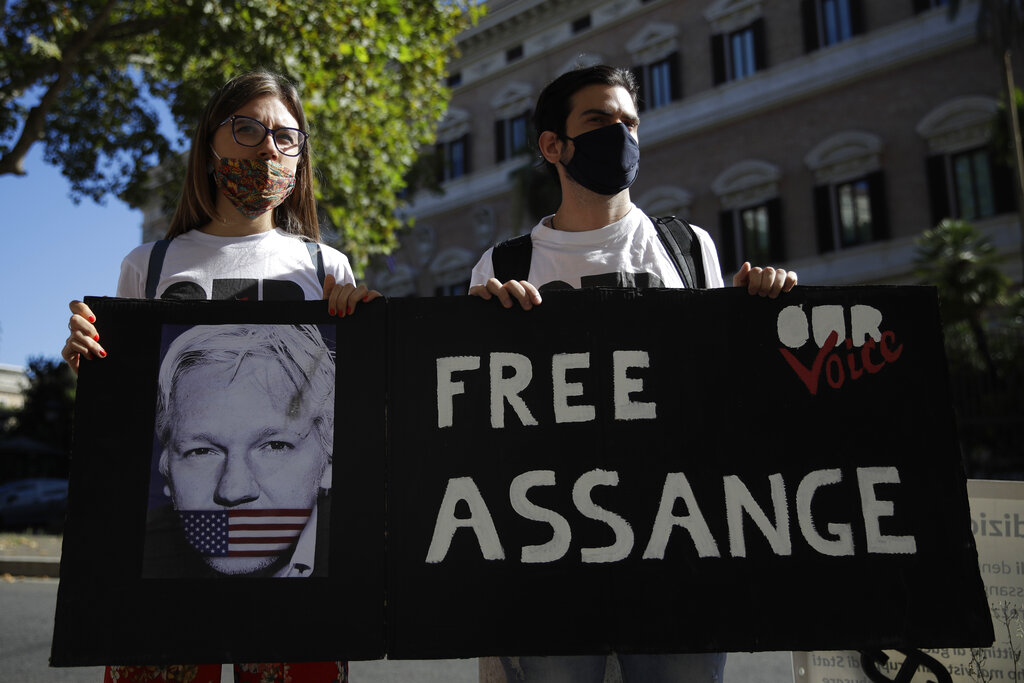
{"points": [[254, 186]]}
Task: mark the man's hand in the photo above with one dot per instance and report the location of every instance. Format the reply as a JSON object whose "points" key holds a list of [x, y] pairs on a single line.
{"points": [[343, 299], [508, 293], [767, 281], [84, 340]]}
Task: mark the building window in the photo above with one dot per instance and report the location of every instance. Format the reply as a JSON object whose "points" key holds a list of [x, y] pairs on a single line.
{"points": [[511, 137], [513, 54], [581, 24], [925, 5], [829, 22], [450, 270], [968, 185], [658, 82], [972, 178], [854, 201], [455, 79], [738, 54], [454, 158], [752, 233], [851, 212], [457, 289]]}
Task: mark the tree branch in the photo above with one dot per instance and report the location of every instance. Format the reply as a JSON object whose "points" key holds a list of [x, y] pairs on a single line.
{"points": [[129, 29], [13, 162]]}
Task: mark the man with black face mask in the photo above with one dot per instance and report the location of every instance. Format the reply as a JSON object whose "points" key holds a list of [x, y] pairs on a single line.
{"points": [[587, 133]]}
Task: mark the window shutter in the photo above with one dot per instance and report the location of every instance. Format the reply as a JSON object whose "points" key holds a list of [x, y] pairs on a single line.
{"points": [[1003, 179], [499, 141], [638, 74], [718, 58], [823, 218], [675, 75], [760, 48], [938, 188], [440, 161], [727, 241], [809, 13], [777, 240], [857, 25], [879, 208]]}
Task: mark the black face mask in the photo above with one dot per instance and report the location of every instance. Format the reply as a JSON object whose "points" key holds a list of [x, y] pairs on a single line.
{"points": [[606, 160]]}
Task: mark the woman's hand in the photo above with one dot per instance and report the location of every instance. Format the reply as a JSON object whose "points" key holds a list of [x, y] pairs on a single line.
{"points": [[84, 340], [509, 293], [343, 299]]}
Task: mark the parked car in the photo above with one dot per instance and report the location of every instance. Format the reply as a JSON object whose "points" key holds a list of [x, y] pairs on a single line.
{"points": [[38, 502]]}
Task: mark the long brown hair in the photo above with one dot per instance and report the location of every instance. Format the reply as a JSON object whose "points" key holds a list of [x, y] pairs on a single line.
{"points": [[197, 207]]}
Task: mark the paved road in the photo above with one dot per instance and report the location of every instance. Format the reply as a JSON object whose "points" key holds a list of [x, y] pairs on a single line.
{"points": [[26, 625]]}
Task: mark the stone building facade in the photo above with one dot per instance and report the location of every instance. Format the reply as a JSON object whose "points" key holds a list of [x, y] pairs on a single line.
{"points": [[820, 135], [13, 383]]}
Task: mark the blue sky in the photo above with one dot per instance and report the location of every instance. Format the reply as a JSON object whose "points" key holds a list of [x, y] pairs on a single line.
{"points": [[52, 251]]}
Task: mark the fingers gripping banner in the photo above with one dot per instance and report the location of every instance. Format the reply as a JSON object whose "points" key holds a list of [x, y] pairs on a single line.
{"points": [[637, 471]]}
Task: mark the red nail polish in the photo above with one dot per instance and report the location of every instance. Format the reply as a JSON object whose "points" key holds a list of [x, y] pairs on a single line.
{"points": [[330, 311], [103, 354], [366, 298], [96, 337], [92, 318]]}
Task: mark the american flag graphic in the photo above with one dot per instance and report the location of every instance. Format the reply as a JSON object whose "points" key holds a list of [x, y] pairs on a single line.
{"points": [[242, 533]]}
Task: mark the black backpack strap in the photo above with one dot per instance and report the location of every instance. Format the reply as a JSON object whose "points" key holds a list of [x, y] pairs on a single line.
{"points": [[156, 266], [511, 258], [683, 247], [317, 257]]}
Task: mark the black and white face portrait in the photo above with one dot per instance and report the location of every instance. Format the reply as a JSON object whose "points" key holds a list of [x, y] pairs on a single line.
{"points": [[245, 425]]}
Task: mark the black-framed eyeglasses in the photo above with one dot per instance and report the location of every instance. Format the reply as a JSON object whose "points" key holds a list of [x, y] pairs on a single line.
{"points": [[249, 132]]}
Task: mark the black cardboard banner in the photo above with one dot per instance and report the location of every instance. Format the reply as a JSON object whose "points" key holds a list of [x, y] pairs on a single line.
{"points": [[616, 470], [121, 599]]}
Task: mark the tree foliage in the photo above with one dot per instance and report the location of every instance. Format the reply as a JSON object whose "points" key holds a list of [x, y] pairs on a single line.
{"points": [[984, 331], [963, 264], [75, 77], [49, 403]]}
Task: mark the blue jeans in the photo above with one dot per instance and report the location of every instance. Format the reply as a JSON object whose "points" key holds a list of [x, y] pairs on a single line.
{"points": [[687, 668]]}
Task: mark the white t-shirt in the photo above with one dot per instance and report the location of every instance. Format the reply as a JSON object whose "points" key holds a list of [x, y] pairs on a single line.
{"points": [[270, 265], [627, 253]]}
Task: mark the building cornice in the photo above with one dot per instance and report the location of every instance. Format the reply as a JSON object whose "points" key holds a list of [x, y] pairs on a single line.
{"points": [[892, 261], [470, 189], [903, 43], [818, 72]]}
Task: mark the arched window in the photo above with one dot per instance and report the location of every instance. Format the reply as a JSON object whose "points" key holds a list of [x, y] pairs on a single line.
{"points": [[655, 55], [453, 145], [665, 201], [964, 181], [396, 281], [849, 195], [750, 220], [737, 39], [512, 129], [451, 270]]}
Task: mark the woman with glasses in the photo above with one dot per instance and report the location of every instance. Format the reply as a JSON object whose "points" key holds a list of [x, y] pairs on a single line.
{"points": [[246, 228]]}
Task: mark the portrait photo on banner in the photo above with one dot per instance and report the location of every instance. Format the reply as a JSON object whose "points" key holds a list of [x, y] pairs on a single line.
{"points": [[206, 466], [240, 479]]}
